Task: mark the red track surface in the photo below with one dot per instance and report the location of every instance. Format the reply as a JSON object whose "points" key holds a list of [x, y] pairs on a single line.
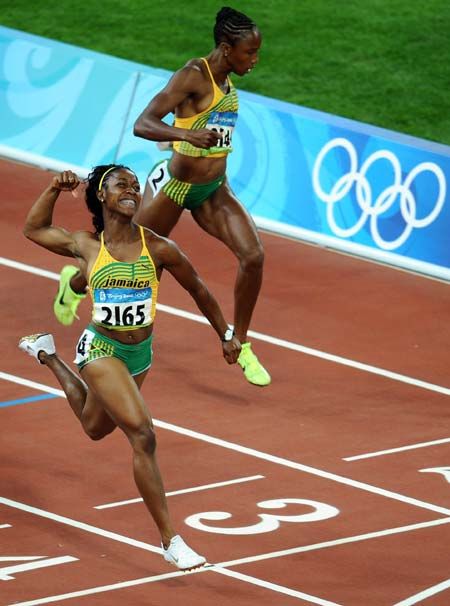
{"points": [[316, 413]]}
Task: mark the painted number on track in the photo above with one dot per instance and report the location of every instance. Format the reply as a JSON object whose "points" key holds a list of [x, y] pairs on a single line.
{"points": [[269, 521], [31, 563]]}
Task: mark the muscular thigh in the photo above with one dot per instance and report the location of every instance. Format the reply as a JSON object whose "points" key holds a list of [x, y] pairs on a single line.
{"points": [[225, 218], [157, 212], [116, 392]]}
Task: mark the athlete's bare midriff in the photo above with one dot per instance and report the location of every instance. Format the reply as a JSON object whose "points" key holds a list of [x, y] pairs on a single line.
{"points": [[197, 170], [127, 337]]}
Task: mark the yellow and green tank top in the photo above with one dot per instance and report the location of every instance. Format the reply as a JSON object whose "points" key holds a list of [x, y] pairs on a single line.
{"points": [[123, 294], [220, 116]]}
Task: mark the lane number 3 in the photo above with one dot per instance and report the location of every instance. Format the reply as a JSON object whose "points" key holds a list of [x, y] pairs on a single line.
{"points": [[269, 521]]}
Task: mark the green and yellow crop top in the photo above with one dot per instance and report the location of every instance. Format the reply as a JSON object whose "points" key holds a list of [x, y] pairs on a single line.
{"points": [[123, 294], [221, 116]]}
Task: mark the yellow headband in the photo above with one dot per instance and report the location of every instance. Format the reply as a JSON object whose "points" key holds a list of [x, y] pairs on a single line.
{"points": [[104, 175]]}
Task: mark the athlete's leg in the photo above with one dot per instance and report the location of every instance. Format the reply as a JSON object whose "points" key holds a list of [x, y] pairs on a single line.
{"points": [[159, 213], [119, 394], [91, 414], [110, 398], [223, 217], [120, 397]]}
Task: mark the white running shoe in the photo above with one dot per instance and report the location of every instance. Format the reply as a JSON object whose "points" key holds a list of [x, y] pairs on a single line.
{"points": [[33, 344], [182, 556]]}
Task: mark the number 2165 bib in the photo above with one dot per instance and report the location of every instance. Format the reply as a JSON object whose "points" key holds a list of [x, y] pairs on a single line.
{"points": [[122, 307]]}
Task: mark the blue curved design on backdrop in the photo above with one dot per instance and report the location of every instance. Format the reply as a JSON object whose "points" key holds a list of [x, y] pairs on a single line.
{"points": [[331, 179]]}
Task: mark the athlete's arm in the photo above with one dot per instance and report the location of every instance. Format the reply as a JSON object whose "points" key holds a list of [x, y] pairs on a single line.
{"points": [[177, 264], [184, 84], [38, 224]]}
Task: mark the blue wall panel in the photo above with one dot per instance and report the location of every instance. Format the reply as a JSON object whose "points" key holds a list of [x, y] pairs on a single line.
{"points": [[305, 173]]}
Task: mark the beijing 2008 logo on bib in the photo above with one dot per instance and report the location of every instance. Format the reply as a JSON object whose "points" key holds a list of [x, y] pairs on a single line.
{"points": [[376, 196]]}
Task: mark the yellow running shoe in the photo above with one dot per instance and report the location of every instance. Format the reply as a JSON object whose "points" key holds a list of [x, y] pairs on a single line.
{"points": [[66, 301], [254, 371]]}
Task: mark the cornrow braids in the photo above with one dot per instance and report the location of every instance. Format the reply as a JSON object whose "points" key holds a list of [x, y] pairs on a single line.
{"points": [[231, 26], [96, 176]]}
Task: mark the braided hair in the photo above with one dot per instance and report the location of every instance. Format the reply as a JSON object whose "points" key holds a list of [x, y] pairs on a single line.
{"points": [[96, 176], [231, 26]]}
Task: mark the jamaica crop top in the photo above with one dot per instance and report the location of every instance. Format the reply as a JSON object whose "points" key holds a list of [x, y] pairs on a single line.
{"points": [[220, 116], [123, 294]]}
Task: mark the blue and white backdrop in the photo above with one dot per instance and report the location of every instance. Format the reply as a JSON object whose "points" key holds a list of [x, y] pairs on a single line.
{"points": [[300, 172]]}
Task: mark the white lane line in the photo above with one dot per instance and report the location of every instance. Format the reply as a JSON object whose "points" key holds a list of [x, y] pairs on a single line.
{"points": [[300, 467], [80, 525], [262, 337], [445, 471], [31, 269], [140, 544], [183, 491], [278, 588], [20, 558], [39, 386], [352, 363], [216, 568], [336, 542], [171, 575], [415, 599], [5, 526], [103, 588], [287, 463], [380, 453]]}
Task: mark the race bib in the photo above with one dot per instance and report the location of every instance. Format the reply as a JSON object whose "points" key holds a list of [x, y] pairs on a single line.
{"points": [[159, 176], [84, 346], [122, 307], [222, 123]]}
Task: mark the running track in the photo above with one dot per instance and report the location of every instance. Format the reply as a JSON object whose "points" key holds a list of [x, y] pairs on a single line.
{"points": [[350, 444]]}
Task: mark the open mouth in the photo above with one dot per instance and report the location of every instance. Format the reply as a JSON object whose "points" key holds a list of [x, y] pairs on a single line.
{"points": [[127, 203]]}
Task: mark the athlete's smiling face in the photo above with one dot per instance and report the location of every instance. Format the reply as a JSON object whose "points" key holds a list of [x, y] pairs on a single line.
{"points": [[243, 56], [123, 191]]}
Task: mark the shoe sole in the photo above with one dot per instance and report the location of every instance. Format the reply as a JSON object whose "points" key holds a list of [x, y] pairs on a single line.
{"points": [[257, 384], [186, 569], [190, 568]]}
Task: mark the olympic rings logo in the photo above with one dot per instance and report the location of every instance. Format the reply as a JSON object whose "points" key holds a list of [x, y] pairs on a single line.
{"points": [[371, 209]]}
